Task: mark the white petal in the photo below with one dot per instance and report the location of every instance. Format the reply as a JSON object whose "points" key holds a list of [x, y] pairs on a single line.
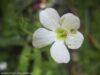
{"points": [[50, 18], [70, 21], [43, 37], [59, 52], [74, 41]]}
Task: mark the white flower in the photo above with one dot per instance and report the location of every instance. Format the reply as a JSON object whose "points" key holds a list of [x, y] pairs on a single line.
{"points": [[3, 66], [61, 32]]}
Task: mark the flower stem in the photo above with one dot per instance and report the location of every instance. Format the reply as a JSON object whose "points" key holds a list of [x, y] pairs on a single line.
{"points": [[24, 60], [37, 62]]}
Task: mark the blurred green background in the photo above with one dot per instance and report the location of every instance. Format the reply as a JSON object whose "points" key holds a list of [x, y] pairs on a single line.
{"points": [[20, 18]]}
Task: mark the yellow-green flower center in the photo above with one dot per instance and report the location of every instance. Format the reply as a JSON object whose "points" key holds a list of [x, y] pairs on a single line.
{"points": [[61, 34]]}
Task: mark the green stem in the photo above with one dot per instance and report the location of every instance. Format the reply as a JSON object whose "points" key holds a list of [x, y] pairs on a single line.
{"points": [[24, 60], [26, 31], [37, 62]]}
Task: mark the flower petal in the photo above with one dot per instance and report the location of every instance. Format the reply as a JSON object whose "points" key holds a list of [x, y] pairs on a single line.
{"points": [[70, 21], [42, 38], [74, 41], [50, 18], [59, 52]]}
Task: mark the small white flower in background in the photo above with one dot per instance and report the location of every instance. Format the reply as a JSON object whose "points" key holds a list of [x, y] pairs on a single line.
{"points": [[60, 32], [3, 66]]}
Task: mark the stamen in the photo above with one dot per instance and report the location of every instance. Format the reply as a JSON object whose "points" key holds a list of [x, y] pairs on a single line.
{"points": [[61, 34], [73, 31]]}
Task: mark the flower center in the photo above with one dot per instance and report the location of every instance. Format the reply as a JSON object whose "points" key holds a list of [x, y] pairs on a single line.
{"points": [[61, 34]]}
